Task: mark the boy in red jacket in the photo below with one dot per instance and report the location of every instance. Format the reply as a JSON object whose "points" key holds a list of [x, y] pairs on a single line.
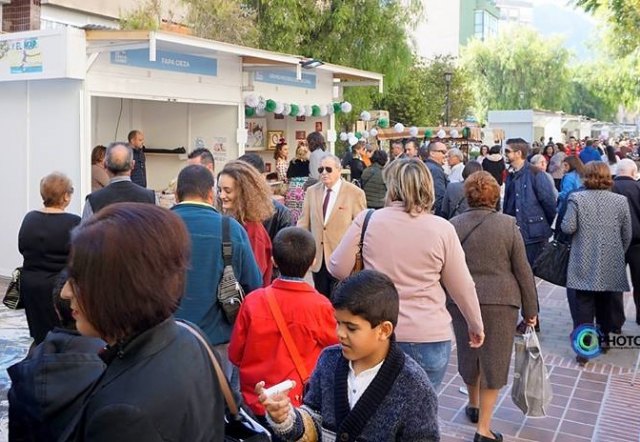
{"points": [[257, 346]]}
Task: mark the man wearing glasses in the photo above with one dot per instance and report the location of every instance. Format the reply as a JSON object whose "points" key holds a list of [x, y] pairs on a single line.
{"points": [[329, 207], [434, 156]]}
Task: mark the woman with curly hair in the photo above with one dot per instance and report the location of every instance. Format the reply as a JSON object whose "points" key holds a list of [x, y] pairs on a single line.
{"points": [[280, 155], [245, 195]]}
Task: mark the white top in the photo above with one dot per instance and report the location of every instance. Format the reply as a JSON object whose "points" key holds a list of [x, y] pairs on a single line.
{"points": [[455, 176], [358, 384], [613, 168], [335, 190]]}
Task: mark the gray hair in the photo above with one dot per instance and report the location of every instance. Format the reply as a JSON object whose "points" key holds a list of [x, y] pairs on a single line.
{"points": [[537, 159], [333, 158], [455, 152], [627, 167], [117, 161]]}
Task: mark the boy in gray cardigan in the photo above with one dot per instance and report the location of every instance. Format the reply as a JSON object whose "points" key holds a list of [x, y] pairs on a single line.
{"points": [[366, 388]]}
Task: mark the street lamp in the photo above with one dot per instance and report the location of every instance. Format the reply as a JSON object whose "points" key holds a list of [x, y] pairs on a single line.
{"points": [[447, 80]]}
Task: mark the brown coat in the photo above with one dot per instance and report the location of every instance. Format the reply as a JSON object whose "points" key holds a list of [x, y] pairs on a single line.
{"points": [[497, 260], [349, 203]]}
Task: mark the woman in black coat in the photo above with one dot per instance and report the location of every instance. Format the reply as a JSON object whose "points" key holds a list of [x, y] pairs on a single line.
{"points": [[43, 241], [127, 275]]}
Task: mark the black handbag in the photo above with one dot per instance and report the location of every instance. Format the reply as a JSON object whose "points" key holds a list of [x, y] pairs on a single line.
{"points": [[238, 425], [230, 292], [12, 296], [551, 265]]}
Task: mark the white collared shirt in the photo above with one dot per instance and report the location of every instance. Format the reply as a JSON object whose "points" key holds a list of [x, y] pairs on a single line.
{"points": [[335, 190], [358, 384], [455, 176]]}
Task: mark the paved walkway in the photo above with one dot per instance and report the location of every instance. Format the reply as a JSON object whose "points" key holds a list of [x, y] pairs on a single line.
{"points": [[592, 403]]}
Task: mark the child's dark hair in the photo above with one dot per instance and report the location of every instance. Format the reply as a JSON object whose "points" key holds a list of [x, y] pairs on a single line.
{"points": [[63, 306], [294, 250], [369, 294]]}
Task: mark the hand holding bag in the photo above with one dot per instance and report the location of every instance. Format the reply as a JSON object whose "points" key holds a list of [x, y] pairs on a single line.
{"points": [[359, 264], [239, 426], [552, 263], [230, 292], [531, 391], [12, 297]]}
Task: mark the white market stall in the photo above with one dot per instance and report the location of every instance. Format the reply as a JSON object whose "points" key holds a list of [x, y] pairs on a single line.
{"points": [[64, 91]]}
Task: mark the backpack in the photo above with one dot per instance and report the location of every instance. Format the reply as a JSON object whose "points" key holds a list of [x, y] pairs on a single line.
{"points": [[230, 292]]}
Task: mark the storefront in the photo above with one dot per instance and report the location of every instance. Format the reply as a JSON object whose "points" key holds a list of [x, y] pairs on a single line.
{"points": [[64, 91]]}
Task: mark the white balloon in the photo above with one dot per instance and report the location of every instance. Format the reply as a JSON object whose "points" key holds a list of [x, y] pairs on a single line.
{"points": [[262, 103], [330, 109], [454, 133], [344, 136], [323, 111], [308, 111], [365, 134], [346, 107], [373, 132], [399, 127], [353, 141], [287, 109], [260, 112], [365, 116], [279, 108], [300, 111], [251, 100], [441, 133], [413, 131]]}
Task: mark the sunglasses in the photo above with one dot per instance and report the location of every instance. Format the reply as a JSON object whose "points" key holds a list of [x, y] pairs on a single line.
{"points": [[441, 151], [322, 169]]}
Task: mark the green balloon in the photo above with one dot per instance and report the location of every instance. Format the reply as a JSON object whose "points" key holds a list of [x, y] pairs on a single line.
{"points": [[249, 111], [294, 110], [315, 110], [428, 133], [358, 135], [383, 123], [336, 108], [466, 132], [270, 106]]}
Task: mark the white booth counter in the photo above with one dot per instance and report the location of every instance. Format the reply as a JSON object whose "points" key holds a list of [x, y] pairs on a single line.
{"points": [[64, 91]]}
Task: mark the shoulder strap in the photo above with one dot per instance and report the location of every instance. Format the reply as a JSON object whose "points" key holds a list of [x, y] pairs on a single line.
{"points": [[463, 240], [222, 379], [227, 245], [286, 336], [365, 224]]}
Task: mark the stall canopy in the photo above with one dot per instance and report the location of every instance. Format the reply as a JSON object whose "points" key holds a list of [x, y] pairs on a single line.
{"points": [[107, 41]]}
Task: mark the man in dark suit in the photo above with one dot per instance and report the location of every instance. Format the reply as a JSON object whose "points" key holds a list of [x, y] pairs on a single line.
{"points": [[434, 156], [139, 170], [625, 184], [119, 163]]}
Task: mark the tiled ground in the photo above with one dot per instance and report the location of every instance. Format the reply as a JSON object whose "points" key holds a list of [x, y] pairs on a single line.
{"points": [[593, 403]]}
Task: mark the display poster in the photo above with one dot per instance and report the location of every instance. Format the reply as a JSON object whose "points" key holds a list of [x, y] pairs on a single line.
{"points": [[23, 56], [256, 133], [219, 149]]}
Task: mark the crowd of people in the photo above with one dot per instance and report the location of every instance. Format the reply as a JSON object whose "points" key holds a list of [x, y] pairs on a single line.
{"points": [[367, 345]]}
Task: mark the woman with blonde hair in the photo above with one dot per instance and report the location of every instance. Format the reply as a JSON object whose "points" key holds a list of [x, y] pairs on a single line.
{"points": [[43, 241], [422, 255], [297, 175], [245, 195]]}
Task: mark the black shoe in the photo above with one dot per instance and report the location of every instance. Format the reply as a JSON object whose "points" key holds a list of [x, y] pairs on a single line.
{"points": [[521, 328], [537, 326], [581, 360], [480, 438], [472, 413]]}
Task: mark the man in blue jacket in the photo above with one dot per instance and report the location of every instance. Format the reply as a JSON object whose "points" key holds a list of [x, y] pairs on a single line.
{"points": [[199, 305], [434, 156], [590, 153], [528, 197]]}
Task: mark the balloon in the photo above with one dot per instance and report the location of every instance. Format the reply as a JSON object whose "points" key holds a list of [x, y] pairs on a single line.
{"points": [[365, 134], [336, 108], [315, 110], [294, 110], [365, 116], [287, 109], [383, 122], [279, 108], [428, 133], [344, 136], [330, 109], [413, 131], [399, 127], [353, 141], [454, 133], [373, 132], [270, 105], [260, 112], [358, 135], [442, 133], [323, 111], [346, 107], [249, 111], [251, 100]]}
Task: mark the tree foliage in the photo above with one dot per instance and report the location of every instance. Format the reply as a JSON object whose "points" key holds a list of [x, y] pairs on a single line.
{"points": [[517, 70], [420, 100], [223, 20], [623, 17]]}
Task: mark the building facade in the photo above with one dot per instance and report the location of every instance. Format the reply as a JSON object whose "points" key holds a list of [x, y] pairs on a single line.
{"points": [[515, 12]]}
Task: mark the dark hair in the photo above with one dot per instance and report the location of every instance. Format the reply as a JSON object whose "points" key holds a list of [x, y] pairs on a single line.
{"points": [[560, 147], [414, 141], [423, 152], [97, 154], [278, 150], [206, 157], [294, 250], [254, 160], [63, 306], [553, 149], [469, 168], [132, 135], [597, 176], [380, 157], [194, 180], [481, 190], [518, 144], [574, 163], [370, 295], [611, 154], [315, 140], [484, 146], [588, 143], [495, 149], [127, 267]]}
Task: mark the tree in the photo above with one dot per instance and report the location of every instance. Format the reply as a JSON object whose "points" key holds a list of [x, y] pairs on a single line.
{"points": [[420, 100], [517, 70], [623, 16], [223, 20]]}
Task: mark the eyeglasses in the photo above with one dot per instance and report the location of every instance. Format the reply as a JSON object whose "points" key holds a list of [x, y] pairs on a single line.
{"points": [[322, 169], [441, 151]]}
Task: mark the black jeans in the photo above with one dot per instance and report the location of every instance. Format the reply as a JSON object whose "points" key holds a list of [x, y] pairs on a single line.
{"points": [[598, 305], [323, 281], [633, 259]]}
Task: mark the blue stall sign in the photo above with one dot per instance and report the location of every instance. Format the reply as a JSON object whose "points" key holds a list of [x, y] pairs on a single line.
{"points": [[286, 78], [167, 61]]}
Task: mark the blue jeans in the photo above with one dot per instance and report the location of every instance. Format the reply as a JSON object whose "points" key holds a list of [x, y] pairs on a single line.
{"points": [[433, 357]]}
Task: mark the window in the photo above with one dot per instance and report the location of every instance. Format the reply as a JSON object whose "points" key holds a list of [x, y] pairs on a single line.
{"points": [[479, 24]]}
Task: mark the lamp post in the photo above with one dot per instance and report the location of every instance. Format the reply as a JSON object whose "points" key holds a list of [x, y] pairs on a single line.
{"points": [[447, 81]]}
